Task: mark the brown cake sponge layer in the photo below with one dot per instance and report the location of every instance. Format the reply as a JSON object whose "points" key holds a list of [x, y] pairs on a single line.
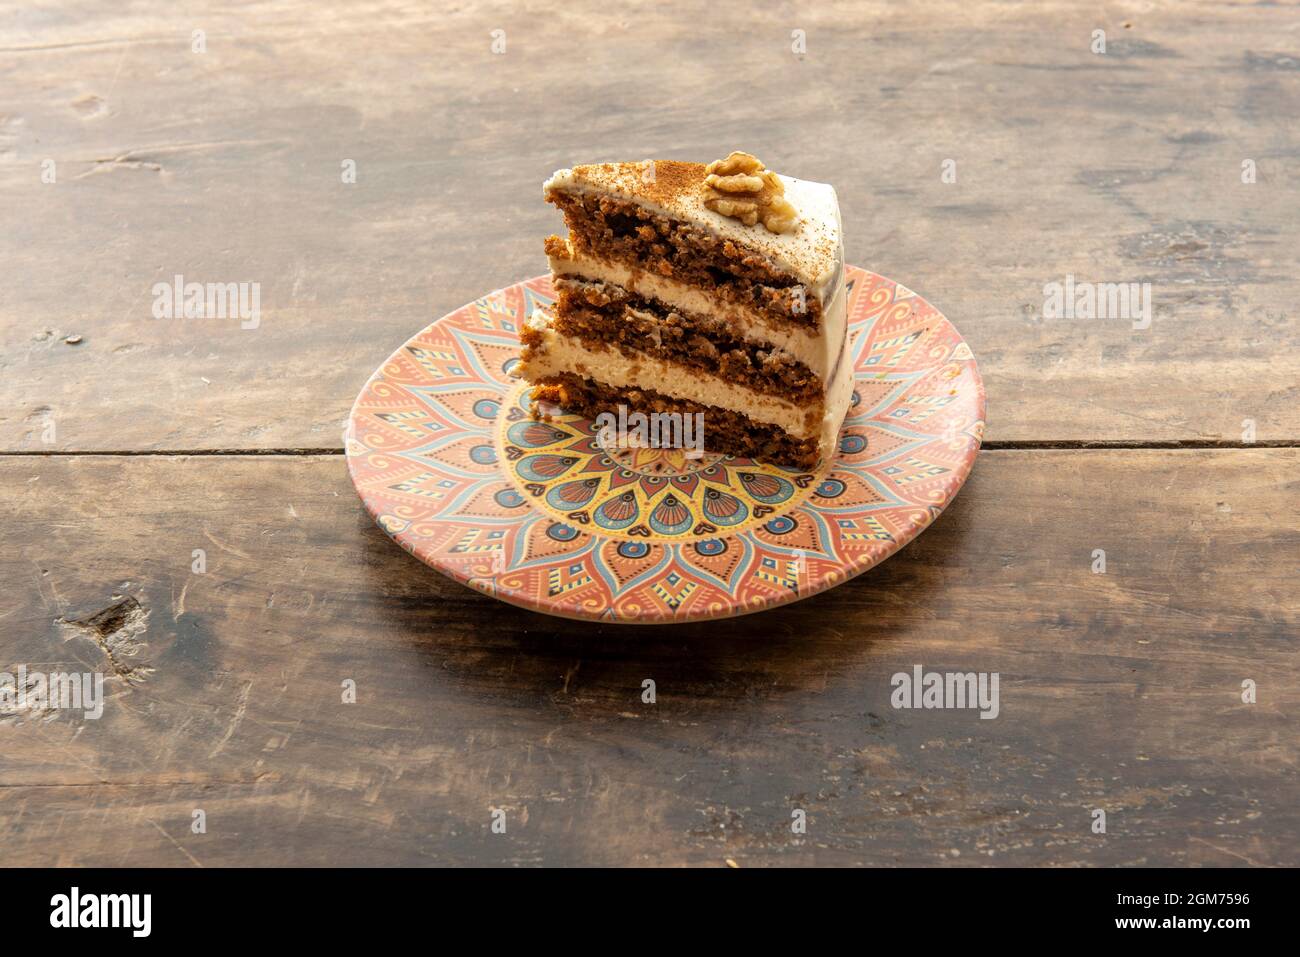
{"points": [[725, 431], [598, 312], [611, 228]]}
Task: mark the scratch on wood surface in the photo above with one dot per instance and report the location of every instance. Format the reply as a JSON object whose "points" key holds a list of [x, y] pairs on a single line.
{"points": [[1224, 850], [116, 73], [223, 546], [568, 676], [42, 578], [119, 162], [81, 44], [145, 154], [178, 608], [193, 860], [234, 722]]}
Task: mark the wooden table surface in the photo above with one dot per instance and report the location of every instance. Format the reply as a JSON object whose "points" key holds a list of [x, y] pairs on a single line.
{"points": [[151, 438]]}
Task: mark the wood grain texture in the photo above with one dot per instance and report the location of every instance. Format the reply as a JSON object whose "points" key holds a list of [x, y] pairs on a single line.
{"points": [[224, 166], [1118, 691]]}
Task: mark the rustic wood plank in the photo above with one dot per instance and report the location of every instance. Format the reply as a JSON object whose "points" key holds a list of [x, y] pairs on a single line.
{"points": [[1118, 691], [225, 166]]}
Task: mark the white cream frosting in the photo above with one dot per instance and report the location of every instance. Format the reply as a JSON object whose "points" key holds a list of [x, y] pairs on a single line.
{"points": [[838, 397]]}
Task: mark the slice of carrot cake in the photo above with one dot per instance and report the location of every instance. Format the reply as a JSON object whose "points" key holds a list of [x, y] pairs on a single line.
{"points": [[685, 288]]}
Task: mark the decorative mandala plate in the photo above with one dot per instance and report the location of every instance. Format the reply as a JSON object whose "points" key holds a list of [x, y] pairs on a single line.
{"points": [[447, 460]]}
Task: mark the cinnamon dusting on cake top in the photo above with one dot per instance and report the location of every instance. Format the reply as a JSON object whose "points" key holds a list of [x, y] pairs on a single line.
{"points": [[660, 181], [672, 178], [811, 249]]}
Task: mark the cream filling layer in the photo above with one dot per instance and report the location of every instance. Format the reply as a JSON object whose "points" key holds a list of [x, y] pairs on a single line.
{"points": [[605, 364], [817, 350], [838, 397]]}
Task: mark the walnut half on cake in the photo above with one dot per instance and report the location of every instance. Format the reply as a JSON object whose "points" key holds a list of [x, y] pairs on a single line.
{"points": [[689, 288]]}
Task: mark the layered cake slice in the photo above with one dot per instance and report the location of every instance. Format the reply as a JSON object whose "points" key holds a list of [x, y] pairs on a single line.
{"points": [[692, 289]]}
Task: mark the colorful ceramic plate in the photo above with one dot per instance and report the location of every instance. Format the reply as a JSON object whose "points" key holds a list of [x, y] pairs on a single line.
{"points": [[447, 460]]}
